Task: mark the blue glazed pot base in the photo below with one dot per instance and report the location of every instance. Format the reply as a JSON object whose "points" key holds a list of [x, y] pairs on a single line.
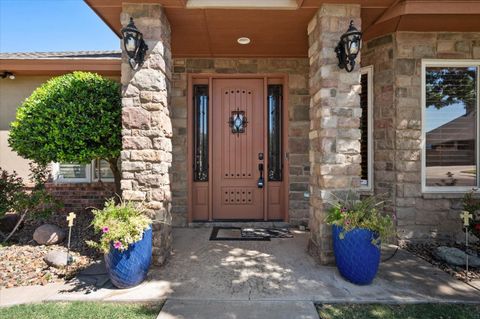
{"points": [[356, 257], [129, 268]]}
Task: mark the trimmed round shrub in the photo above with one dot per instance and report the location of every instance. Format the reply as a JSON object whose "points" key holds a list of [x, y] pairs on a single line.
{"points": [[75, 117]]}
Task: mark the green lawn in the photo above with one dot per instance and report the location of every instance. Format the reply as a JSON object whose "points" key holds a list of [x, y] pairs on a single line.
{"points": [[81, 310], [421, 311]]}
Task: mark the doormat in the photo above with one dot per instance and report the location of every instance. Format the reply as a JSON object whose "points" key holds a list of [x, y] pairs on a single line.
{"points": [[248, 234], [267, 232]]}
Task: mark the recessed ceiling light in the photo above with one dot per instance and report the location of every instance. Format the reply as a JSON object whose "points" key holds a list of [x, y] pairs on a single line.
{"points": [[243, 40]]}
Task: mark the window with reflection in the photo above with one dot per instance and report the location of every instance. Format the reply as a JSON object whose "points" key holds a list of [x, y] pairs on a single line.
{"points": [[72, 171], [101, 170], [200, 127], [275, 132], [450, 126]]}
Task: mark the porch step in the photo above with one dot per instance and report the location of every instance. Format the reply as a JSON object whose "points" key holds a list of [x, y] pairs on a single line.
{"points": [[209, 309], [249, 224]]}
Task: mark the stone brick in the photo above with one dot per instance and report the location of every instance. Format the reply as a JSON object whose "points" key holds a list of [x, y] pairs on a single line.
{"points": [[146, 122], [334, 120], [134, 117]]}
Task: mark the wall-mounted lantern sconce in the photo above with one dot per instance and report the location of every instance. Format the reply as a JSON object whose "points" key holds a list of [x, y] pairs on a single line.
{"points": [[7, 74], [348, 47], [134, 45]]}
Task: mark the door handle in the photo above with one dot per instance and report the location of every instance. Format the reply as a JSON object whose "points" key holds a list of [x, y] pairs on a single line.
{"points": [[261, 181]]}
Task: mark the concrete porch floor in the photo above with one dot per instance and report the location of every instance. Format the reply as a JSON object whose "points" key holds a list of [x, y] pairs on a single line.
{"points": [[260, 271]]}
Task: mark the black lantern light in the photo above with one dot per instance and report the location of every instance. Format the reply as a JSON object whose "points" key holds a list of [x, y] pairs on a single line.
{"points": [[348, 48], [134, 45], [7, 74]]}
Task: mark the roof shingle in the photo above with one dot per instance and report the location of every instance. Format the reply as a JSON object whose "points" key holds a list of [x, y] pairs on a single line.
{"points": [[62, 55]]}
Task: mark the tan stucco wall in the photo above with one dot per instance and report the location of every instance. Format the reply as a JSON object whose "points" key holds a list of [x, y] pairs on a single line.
{"points": [[12, 94]]}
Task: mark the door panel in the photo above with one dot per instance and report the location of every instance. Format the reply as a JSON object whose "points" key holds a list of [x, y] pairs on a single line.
{"points": [[236, 154]]}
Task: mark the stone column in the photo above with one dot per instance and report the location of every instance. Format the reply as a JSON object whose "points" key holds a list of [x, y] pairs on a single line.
{"points": [[147, 128], [334, 121]]}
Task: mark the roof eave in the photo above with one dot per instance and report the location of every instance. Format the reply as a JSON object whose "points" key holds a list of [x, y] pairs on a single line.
{"points": [[110, 67]]}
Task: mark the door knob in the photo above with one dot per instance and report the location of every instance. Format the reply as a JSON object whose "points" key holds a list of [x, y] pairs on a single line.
{"points": [[261, 181]]}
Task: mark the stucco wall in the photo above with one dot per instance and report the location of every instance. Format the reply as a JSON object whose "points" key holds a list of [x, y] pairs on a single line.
{"points": [[299, 99], [12, 94], [397, 122]]}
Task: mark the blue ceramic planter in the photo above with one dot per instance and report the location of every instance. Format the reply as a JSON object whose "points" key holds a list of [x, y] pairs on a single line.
{"points": [[129, 268], [356, 257]]}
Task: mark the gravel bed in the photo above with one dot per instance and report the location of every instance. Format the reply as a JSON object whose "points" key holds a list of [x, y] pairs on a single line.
{"points": [[21, 260], [426, 252]]}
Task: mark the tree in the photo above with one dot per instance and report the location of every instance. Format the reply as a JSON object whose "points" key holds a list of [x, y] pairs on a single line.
{"points": [[75, 117], [447, 86]]}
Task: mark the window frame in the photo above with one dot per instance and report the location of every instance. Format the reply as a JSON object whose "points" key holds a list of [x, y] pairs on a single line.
{"points": [[368, 70], [447, 63], [89, 176]]}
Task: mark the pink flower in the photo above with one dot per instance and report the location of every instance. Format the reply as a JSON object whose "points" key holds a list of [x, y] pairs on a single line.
{"points": [[117, 245], [343, 210], [347, 222], [105, 229]]}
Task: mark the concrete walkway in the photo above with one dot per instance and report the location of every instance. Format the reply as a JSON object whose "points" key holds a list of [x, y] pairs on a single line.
{"points": [[208, 272]]}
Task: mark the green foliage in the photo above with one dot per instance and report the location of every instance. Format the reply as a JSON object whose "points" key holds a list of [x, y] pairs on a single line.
{"points": [[33, 203], [120, 225], [472, 205], [442, 91], [350, 211], [75, 117], [11, 189], [383, 311], [82, 310]]}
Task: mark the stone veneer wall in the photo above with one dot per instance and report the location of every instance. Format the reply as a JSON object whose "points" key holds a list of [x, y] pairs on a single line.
{"points": [[379, 53], [147, 128], [334, 121], [397, 60], [298, 106]]}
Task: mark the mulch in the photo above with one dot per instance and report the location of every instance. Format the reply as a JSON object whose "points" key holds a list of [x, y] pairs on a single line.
{"points": [[21, 261], [426, 252]]}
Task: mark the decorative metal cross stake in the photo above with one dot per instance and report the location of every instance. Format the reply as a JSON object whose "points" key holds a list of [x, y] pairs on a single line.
{"points": [[70, 218], [466, 216]]}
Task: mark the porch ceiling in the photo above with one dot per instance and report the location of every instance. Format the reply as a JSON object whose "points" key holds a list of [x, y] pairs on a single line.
{"points": [[212, 32]]}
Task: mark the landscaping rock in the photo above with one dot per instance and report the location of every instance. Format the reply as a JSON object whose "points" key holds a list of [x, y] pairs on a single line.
{"points": [[56, 258], [8, 222], [456, 257], [48, 235]]}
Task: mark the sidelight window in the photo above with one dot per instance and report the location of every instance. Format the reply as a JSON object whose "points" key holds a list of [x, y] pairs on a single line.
{"points": [[366, 128], [200, 129], [275, 132]]}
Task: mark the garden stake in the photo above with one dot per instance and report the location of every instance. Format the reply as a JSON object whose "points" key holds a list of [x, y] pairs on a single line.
{"points": [[466, 216], [70, 219]]}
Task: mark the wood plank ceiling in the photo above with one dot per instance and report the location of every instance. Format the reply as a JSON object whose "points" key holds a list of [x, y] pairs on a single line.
{"points": [[211, 32]]}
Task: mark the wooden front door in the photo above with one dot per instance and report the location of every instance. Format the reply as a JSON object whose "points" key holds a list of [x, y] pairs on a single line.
{"points": [[238, 146]]}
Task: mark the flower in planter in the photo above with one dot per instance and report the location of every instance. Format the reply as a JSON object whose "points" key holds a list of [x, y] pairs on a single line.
{"points": [[471, 204], [354, 211], [120, 225]]}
